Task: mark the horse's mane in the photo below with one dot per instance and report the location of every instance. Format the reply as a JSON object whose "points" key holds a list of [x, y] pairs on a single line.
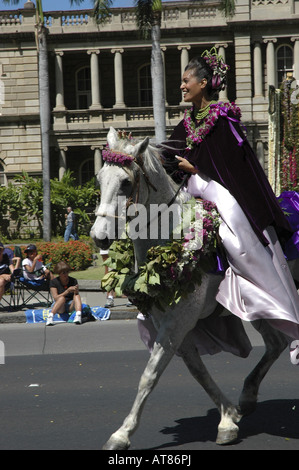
{"points": [[155, 162]]}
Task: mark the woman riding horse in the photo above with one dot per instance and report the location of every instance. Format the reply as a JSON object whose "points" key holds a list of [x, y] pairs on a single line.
{"points": [[210, 146]]}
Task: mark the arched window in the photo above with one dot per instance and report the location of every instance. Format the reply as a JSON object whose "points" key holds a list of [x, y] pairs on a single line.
{"points": [[2, 175], [145, 86], [284, 62], [83, 88], [87, 171]]}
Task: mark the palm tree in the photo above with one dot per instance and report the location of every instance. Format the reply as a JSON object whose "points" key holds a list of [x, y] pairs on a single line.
{"points": [[45, 109], [148, 14], [148, 19]]}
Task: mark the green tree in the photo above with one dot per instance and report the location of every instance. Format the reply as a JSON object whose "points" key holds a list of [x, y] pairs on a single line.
{"points": [[23, 200], [45, 109]]}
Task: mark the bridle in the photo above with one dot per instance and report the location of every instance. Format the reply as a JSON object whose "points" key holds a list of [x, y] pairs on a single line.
{"points": [[131, 200], [136, 185], [136, 182]]}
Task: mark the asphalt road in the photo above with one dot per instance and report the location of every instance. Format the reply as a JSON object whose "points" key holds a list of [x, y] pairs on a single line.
{"points": [[69, 387]]}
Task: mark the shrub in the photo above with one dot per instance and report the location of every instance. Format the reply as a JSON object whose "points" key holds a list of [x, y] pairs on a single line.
{"points": [[77, 254]]}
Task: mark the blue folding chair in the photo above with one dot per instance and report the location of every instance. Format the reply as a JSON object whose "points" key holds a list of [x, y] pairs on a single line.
{"points": [[28, 291]]}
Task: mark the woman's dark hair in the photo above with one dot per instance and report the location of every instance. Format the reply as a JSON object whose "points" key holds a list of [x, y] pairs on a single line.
{"points": [[202, 70]]}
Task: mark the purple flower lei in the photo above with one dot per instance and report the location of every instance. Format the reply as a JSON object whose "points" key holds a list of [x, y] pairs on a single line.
{"points": [[195, 135], [120, 158]]}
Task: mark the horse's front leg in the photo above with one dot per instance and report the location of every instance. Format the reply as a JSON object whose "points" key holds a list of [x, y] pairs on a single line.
{"points": [[227, 428], [159, 359]]}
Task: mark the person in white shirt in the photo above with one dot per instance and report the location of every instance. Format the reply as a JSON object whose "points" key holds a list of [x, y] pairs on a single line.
{"points": [[33, 266]]}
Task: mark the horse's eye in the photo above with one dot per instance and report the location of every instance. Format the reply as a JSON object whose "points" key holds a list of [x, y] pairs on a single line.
{"points": [[126, 184]]}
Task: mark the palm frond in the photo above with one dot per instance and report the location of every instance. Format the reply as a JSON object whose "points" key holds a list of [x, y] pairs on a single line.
{"points": [[101, 10], [144, 16], [228, 8], [12, 2], [76, 2]]}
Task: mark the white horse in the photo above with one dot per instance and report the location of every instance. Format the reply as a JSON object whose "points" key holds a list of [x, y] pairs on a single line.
{"points": [[146, 182]]}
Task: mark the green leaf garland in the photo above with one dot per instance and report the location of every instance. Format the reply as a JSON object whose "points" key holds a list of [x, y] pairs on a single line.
{"points": [[171, 271]]}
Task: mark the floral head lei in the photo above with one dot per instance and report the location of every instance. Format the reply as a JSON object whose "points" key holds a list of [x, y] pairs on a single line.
{"points": [[219, 68], [121, 158]]}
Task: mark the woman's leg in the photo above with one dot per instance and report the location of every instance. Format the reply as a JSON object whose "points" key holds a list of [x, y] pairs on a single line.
{"points": [[58, 307], [78, 307], [2, 287]]}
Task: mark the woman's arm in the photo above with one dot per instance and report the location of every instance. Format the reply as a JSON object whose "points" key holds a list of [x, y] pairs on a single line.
{"points": [[186, 166]]}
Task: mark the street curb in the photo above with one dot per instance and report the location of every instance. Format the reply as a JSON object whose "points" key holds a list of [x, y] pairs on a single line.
{"points": [[115, 314]]}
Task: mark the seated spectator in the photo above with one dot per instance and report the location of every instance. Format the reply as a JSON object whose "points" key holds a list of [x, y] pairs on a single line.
{"points": [[6, 268], [65, 292], [33, 266]]}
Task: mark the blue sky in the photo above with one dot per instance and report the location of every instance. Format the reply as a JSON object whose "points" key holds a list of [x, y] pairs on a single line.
{"points": [[49, 5]]}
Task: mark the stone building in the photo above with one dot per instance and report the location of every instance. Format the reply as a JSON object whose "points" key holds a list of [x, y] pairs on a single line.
{"points": [[100, 76]]}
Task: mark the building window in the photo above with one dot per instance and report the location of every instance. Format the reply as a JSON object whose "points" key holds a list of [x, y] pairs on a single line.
{"points": [[145, 86], [2, 175], [83, 86], [87, 171], [284, 62]]}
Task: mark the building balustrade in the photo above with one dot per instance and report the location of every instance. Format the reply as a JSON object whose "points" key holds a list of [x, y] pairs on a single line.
{"points": [[129, 116], [173, 15], [120, 19]]}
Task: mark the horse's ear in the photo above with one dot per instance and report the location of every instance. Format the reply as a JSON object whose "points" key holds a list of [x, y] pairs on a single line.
{"points": [[112, 138], [141, 147]]}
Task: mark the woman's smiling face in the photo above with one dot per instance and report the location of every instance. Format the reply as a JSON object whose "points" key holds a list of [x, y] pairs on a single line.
{"points": [[191, 88]]}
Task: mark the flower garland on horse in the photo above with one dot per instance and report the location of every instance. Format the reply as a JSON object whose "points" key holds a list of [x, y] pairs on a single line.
{"points": [[171, 271]]}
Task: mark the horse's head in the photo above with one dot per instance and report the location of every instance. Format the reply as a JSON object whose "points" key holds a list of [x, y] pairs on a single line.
{"points": [[117, 180]]}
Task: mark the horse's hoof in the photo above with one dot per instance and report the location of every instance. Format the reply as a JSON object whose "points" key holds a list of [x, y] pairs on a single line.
{"points": [[116, 444], [227, 436]]}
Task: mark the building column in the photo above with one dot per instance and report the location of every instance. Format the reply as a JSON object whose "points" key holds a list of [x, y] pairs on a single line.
{"points": [[242, 43], [185, 48], [257, 70], [270, 61], [163, 49], [95, 80], [59, 82], [118, 78], [221, 51], [260, 152], [98, 162], [296, 56], [62, 162]]}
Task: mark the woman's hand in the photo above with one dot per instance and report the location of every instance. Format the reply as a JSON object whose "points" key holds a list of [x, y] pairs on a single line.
{"points": [[186, 166], [73, 289]]}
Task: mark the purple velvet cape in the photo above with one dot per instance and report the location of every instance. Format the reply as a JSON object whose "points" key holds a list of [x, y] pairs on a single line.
{"points": [[233, 164]]}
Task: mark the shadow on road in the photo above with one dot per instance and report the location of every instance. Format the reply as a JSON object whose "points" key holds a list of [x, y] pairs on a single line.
{"points": [[274, 418]]}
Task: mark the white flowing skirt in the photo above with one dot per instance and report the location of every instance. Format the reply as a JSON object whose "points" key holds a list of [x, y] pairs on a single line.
{"points": [[258, 283]]}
